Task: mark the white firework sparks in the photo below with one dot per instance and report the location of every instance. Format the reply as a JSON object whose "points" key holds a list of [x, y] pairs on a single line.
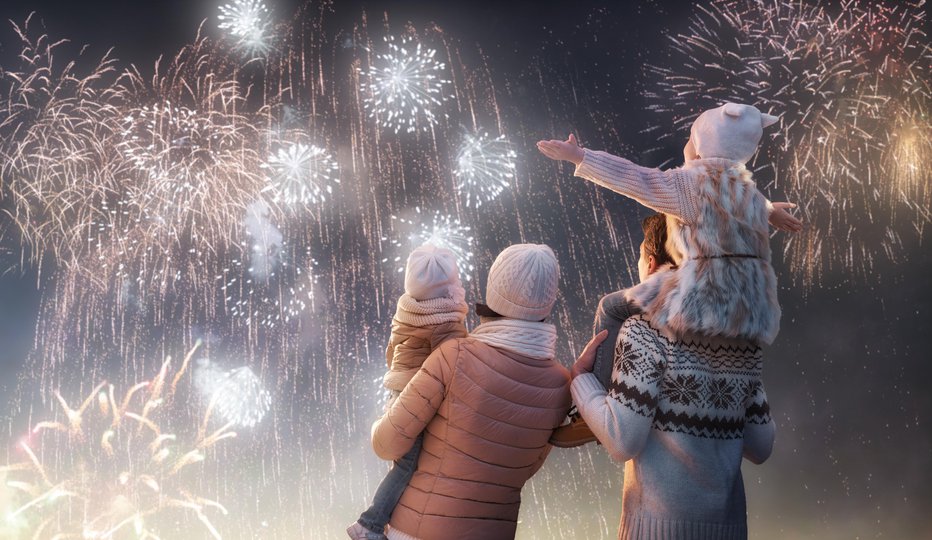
{"points": [[280, 297], [301, 174], [404, 84], [485, 167], [443, 231], [247, 22], [237, 395]]}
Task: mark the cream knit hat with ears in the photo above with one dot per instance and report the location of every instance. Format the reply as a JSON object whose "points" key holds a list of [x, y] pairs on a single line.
{"points": [[523, 282], [431, 272], [731, 131]]}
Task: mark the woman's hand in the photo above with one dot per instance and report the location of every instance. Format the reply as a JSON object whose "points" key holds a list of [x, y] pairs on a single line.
{"points": [[587, 358], [567, 150]]}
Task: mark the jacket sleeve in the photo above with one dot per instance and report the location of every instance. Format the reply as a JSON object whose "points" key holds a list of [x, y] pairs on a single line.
{"points": [[394, 434], [670, 192], [540, 460], [621, 417], [390, 348], [759, 427]]}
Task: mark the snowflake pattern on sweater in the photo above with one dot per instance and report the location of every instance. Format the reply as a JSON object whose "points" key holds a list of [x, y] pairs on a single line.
{"points": [[693, 387]]}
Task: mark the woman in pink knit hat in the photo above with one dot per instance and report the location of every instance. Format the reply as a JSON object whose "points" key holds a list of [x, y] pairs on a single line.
{"points": [[485, 406]]}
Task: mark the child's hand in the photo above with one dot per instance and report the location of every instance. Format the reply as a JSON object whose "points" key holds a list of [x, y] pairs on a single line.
{"points": [[587, 357], [567, 150], [782, 220]]}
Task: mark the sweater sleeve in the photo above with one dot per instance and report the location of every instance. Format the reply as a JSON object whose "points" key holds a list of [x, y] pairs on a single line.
{"points": [[394, 434], [670, 192], [621, 417], [759, 428]]}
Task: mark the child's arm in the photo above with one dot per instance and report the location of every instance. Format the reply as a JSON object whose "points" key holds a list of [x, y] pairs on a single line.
{"points": [[621, 417], [613, 310], [759, 428], [781, 219], [394, 434], [669, 192]]}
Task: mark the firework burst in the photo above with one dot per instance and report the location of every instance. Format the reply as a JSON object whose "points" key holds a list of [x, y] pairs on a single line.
{"points": [[236, 395], [443, 231], [109, 467], [839, 77], [484, 167], [301, 174], [247, 22], [404, 85], [57, 158]]}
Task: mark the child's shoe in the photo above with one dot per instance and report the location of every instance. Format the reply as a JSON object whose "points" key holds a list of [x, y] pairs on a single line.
{"points": [[356, 531], [572, 434]]}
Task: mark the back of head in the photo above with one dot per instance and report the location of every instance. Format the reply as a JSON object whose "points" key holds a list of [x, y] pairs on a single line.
{"points": [[731, 131], [523, 282], [431, 272]]}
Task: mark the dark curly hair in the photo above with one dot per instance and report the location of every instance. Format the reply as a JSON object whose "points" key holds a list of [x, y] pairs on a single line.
{"points": [[655, 238]]}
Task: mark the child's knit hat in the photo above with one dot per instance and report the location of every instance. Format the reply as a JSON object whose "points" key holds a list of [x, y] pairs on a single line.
{"points": [[431, 272], [731, 131], [523, 282]]}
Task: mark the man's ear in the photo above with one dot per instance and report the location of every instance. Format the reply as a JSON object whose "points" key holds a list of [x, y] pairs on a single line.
{"points": [[651, 264]]}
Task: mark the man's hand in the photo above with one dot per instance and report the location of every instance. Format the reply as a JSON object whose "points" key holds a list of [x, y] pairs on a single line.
{"points": [[567, 150], [782, 220], [587, 358]]}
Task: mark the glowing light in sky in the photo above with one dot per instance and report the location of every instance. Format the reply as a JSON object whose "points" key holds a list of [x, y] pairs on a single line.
{"points": [[484, 167], [301, 174], [404, 85]]}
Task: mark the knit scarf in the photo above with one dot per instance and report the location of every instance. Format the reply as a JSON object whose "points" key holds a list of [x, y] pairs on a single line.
{"points": [[536, 340], [432, 311]]}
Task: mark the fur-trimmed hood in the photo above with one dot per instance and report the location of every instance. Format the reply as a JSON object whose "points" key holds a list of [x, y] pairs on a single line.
{"points": [[725, 285]]}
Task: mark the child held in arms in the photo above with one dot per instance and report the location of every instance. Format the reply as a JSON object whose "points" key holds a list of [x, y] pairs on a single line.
{"points": [[432, 310], [716, 228]]}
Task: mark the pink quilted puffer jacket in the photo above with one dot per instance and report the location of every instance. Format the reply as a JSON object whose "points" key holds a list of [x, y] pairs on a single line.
{"points": [[487, 414]]}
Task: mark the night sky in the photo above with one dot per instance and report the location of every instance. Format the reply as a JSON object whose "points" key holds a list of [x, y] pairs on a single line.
{"points": [[847, 378]]}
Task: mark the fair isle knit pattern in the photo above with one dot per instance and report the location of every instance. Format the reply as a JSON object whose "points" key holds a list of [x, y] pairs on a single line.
{"points": [[705, 390], [680, 413]]}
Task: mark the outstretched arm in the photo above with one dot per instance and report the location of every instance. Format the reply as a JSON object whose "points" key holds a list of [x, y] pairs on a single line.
{"points": [[669, 192]]}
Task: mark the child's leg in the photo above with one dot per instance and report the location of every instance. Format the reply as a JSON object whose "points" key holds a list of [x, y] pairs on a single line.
{"points": [[391, 488], [612, 311]]}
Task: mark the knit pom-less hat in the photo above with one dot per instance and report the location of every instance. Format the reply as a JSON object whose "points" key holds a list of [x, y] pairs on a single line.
{"points": [[523, 282], [431, 272], [731, 131]]}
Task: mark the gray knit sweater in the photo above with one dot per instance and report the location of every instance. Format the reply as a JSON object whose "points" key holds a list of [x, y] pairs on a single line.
{"points": [[680, 414]]}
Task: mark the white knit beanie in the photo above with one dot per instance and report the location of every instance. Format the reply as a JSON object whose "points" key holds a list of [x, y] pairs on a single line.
{"points": [[523, 282], [731, 131], [431, 272]]}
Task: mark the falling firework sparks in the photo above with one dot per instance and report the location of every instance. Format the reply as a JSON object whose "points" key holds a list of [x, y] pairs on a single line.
{"points": [[443, 231], [404, 85], [485, 167], [110, 467], [301, 174], [247, 22], [56, 153], [268, 300], [837, 80]]}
